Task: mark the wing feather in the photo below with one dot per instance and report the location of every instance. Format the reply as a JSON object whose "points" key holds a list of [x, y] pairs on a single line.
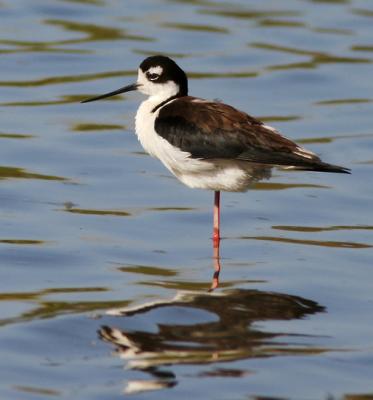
{"points": [[212, 130]]}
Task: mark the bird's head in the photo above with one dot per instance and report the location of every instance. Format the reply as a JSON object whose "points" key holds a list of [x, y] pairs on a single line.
{"points": [[158, 76]]}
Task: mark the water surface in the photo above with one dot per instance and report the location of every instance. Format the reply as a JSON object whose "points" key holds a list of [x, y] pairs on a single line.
{"points": [[106, 260]]}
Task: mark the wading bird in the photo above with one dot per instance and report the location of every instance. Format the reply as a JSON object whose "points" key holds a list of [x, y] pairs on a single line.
{"points": [[208, 144]]}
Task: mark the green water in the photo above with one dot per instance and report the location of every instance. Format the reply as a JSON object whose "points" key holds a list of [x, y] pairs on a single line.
{"points": [[106, 259]]}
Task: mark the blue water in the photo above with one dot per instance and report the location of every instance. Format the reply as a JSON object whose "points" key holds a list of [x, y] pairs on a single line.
{"points": [[106, 259]]}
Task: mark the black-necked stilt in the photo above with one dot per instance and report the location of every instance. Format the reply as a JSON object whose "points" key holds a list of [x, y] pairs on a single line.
{"points": [[207, 144]]}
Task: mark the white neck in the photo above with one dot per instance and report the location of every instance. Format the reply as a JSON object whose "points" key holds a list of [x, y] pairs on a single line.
{"points": [[145, 119]]}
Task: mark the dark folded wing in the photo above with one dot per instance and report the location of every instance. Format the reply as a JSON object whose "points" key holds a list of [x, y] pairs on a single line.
{"points": [[209, 130]]}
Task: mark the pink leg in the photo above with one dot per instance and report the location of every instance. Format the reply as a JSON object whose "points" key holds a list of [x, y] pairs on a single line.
{"points": [[216, 234], [216, 242]]}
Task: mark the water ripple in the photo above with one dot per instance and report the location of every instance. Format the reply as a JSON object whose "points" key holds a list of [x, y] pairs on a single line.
{"points": [[21, 173], [322, 243]]}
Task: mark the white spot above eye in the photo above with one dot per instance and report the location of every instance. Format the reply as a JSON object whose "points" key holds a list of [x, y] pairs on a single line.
{"points": [[155, 70], [157, 91]]}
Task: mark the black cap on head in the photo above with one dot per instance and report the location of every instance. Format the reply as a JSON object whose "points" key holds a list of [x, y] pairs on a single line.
{"points": [[171, 71]]}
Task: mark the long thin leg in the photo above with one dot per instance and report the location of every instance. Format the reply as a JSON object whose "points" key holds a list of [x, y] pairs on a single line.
{"points": [[216, 233], [216, 242]]}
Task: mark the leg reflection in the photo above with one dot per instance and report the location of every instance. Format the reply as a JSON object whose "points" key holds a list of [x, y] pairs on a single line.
{"points": [[217, 267]]}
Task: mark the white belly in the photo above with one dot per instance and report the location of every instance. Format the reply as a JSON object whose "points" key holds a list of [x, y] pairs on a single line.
{"points": [[225, 175]]}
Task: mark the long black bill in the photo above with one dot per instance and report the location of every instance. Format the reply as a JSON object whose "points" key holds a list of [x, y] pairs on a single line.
{"points": [[124, 89]]}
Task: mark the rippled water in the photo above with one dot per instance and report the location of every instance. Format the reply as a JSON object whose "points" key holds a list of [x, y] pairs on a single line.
{"points": [[105, 259]]}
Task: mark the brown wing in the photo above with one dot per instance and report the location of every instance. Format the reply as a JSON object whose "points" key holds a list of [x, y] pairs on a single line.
{"points": [[215, 130]]}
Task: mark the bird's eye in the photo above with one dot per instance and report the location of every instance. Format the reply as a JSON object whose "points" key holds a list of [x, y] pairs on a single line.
{"points": [[152, 76]]}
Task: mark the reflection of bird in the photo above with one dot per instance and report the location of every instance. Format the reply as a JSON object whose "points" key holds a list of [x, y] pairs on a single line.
{"points": [[206, 329], [206, 144]]}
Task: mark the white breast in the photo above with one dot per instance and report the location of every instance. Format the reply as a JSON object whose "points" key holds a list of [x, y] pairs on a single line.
{"points": [[173, 158]]}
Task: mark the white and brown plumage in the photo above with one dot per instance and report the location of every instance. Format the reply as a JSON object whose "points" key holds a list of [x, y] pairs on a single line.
{"points": [[207, 144]]}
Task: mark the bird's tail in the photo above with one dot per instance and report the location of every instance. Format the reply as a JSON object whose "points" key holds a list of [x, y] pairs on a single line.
{"points": [[325, 167]]}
